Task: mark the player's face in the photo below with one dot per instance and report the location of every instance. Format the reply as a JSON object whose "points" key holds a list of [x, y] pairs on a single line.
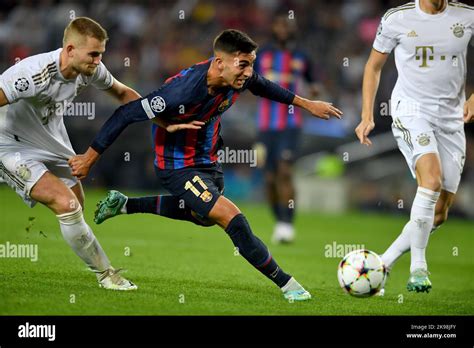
{"points": [[282, 29], [87, 56], [238, 68]]}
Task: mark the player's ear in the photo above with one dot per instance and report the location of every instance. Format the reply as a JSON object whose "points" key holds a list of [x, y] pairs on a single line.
{"points": [[69, 49], [219, 62]]}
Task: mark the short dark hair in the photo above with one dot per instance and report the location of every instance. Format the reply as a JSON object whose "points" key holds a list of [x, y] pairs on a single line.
{"points": [[232, 40]]}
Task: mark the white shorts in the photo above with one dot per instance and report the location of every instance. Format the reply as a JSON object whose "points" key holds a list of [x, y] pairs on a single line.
{"points": [[21, 168], [416, 136]]}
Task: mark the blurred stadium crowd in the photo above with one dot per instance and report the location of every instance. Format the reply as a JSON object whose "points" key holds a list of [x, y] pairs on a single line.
{"points": [[152, 40]]}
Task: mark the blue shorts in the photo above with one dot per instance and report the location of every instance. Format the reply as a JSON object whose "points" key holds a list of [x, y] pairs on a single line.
{"points": [[280, 146], [199, 186]]}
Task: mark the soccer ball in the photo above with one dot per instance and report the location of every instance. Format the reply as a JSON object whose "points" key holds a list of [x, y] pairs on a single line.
{"points": [[362, 273]]}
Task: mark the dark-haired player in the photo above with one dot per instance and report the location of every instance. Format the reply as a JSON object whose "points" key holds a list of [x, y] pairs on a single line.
{"points": [[279, 127], [186, 161]]}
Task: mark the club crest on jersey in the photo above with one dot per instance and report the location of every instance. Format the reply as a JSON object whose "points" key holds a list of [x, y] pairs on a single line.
{"points": [[223, 106], [206, 196], [458, 30], [412, 34], [423, 139], [158, 104], [22, 84]]}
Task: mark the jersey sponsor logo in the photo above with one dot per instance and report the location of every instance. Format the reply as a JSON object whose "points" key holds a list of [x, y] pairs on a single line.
{"points": [[412, 34], [22, 84], [458, 30], [426, 54], [158, 104], [423, 139]]}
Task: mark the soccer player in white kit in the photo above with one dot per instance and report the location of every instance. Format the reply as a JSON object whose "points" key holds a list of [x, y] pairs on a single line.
{"points": [[34, 145], [428, 107]]}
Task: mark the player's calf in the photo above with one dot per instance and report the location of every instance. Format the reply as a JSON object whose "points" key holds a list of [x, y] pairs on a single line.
{"points": [[258, 255]]}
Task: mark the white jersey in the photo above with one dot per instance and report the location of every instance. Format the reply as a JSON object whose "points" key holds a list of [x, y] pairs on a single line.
{"points": [[430, 55], [38, 95]]}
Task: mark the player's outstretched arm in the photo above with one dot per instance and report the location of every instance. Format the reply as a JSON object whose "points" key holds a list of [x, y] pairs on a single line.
{"points": [[124, 94], [262, 87], [469, 110], [318, 108], [136, 111], [370, 85]]}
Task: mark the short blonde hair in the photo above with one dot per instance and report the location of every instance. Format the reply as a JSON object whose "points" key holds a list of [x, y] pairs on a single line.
{"points": [[85, 26]]}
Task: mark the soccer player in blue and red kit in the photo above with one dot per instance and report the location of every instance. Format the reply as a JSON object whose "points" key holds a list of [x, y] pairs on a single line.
{"points": [[279, 126], [186, 161]]}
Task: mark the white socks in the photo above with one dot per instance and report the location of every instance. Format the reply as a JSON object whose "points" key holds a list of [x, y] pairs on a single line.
{"points": [[421, 219], [291, 285], [123, 210], [80, 237], [399, 247], [416, 232]]}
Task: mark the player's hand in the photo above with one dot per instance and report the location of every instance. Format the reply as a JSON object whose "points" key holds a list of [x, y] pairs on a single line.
{"points": [[171, 128], [79, 166], [363, 130], [82, 164], [469, 110], [322, 109]]}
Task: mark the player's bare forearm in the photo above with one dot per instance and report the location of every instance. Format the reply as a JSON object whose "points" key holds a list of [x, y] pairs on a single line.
{"points": [[129, 95], [369, 90], [468, 115], [82, 164], [3, 98], [122, 93], [317, 108], [370, 85]]}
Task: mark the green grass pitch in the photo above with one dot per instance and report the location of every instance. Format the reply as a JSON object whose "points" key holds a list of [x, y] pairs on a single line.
{"points": [[182, 269]]}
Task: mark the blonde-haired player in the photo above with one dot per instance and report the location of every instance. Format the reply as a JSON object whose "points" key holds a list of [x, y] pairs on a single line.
{"points": [[34, 144], [430, 39]]}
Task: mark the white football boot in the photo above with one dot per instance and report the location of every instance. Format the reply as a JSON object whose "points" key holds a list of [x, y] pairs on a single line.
{"points": [[111, 279], [283, 232]]}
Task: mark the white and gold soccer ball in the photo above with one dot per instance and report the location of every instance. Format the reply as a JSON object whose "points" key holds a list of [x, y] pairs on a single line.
{"points": [[362, 273]]}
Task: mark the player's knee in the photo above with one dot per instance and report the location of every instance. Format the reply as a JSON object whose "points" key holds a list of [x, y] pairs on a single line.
{"points": [[432, 182], [223, 212], [202, 221], [226, 218], [65, 204]]}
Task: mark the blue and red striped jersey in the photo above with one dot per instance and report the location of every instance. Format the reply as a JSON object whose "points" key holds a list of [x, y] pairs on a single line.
{"points": [[288, 68], [184, 98]]}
